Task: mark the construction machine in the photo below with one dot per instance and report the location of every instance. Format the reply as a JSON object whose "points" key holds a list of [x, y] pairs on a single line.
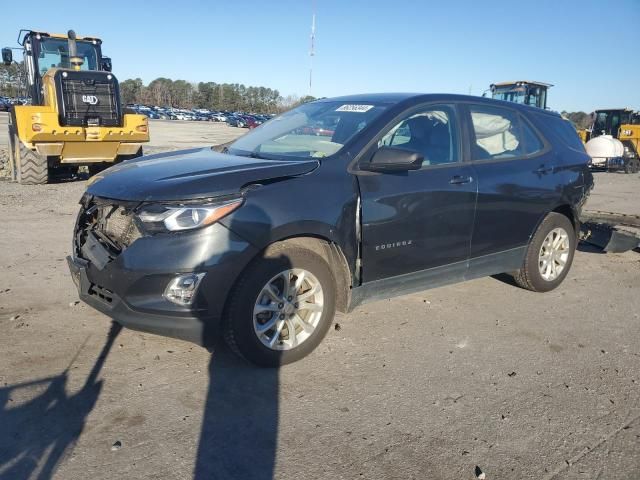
{"points": [[521, 91], [613, 141], [74, 117]]}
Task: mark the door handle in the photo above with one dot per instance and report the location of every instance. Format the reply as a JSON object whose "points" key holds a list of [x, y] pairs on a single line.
{"points": [[543, 170], [460, 179]]}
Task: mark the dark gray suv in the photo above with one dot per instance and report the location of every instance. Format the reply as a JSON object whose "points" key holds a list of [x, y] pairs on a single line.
{"points": [[329, 205]]}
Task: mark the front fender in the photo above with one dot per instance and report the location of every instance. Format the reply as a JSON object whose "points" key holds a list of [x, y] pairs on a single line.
{"points": [[319, 204]]}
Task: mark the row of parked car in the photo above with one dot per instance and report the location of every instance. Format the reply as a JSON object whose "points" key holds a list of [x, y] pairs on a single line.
{"points": [[233, 119], [7, 102]]}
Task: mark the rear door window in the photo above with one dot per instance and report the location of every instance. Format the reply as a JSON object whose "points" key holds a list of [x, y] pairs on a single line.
{"points": [[501, 134]]}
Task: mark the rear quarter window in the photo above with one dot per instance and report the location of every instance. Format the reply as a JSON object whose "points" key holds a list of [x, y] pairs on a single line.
{"points": [[532, 143], [562, 130]]}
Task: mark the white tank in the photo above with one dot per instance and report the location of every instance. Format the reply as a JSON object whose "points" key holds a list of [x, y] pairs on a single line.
{"points": [[603, 147]]}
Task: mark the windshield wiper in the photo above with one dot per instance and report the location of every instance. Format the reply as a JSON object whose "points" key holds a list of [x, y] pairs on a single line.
{"points": [[257, 155], [253, 154]]}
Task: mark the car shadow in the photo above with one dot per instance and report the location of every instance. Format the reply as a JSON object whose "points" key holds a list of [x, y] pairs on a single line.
{"points": [[37, 434], [586, 247], [583, 247], [238, 437], [505, 278], [239, 432]]}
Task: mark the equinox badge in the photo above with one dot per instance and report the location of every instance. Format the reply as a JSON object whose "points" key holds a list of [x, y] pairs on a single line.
{"points": [[385, 246]]}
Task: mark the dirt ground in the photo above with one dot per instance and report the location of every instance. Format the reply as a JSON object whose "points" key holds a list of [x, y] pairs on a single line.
{"points": [[426, 386]]}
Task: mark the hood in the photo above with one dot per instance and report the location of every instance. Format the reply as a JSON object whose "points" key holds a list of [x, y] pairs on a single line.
{"points": [[189, 174]]}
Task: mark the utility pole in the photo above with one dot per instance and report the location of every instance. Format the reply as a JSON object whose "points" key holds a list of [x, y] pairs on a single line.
{"points": [[312, 50]]}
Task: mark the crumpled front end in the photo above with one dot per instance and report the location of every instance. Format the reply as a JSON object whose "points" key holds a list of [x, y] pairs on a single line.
{"points": [[124, 271]]}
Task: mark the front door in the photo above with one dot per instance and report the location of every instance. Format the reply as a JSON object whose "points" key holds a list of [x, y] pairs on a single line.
{"points": [[419, 219]]}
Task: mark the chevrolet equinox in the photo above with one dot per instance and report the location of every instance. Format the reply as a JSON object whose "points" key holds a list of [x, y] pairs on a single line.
{"points": [[329, 205]]}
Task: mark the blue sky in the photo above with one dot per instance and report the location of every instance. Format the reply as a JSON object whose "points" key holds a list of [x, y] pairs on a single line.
{"points": [[587, 49]]}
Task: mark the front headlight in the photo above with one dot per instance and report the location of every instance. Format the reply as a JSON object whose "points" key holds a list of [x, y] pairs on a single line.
{"points": [[160, 217]]}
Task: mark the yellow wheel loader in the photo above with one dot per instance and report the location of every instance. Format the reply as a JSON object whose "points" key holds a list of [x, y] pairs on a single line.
{"points": [[75, 117], [613, 142]]}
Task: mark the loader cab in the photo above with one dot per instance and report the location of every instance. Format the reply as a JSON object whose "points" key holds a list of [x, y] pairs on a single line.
{"points": [[522, 91], [43, 51], [608, 122]]}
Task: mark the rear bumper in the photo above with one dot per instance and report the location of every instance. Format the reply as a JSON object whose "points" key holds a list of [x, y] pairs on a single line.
{"points": [[75, 144], [130, 288], [49, 128]]}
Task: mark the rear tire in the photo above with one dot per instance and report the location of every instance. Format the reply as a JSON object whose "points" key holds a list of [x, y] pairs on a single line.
{"points": [[533, 275], [30, 167], [241, 323], [632, 165]]}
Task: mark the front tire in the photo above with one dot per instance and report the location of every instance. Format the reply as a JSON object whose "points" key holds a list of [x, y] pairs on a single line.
{"points": [[549, 255], [30, 168], [281, 307]]}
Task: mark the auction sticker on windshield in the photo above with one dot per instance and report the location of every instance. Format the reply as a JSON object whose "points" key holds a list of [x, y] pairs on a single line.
{"points": [[354, 108]]}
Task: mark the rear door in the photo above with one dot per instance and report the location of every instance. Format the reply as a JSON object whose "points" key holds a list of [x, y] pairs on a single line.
{"points": [[518, 176], [418, 219]]}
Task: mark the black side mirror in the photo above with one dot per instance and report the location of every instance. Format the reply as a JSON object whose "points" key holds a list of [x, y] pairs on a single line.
{"points": [[392, 159], [7, 56], [105, 64]]}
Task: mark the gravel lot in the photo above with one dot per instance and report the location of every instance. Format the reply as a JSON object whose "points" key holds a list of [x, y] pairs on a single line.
{"points": [[426, 386]]}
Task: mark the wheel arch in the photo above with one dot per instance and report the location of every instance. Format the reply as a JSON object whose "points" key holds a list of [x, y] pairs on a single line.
{"points": [[329, 250], [571, 213], [565, 209]]}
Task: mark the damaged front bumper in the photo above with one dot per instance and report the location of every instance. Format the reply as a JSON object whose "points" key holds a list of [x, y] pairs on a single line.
{"points": [[129, 285], [186, 327]]}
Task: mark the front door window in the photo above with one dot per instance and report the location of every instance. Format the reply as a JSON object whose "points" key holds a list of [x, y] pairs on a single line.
{"points": [[431, 132]]}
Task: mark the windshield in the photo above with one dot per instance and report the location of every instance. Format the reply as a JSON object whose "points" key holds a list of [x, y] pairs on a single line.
{"points": [[535, 96], [607, 123], [600, 124], [317, 129], [510, 94], [54, 53]]}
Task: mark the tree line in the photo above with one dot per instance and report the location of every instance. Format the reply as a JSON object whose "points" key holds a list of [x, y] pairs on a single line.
{"points": [[579, 119], [165, 92], [11, 80]]}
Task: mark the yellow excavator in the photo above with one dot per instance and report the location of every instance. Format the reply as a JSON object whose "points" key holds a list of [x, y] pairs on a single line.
{"points": [[75, 117], [613, 142]]}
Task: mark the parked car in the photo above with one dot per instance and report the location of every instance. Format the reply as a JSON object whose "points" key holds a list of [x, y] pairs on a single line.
{"points": [[5, 104], [235, 121], [268, 237], [249, 121]]}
